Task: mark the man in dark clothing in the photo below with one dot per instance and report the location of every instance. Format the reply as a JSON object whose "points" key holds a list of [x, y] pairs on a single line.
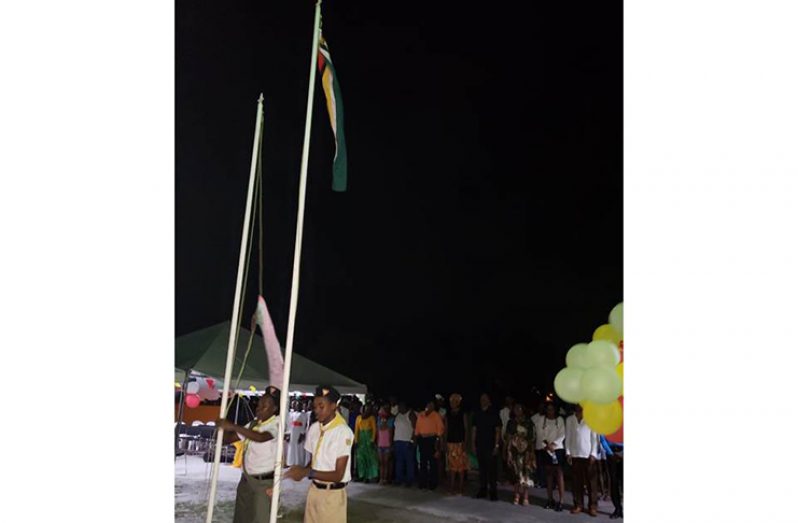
{"points": [[486, 437]]}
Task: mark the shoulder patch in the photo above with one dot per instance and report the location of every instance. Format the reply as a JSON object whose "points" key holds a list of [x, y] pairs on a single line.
{"points": [[348, 441]]}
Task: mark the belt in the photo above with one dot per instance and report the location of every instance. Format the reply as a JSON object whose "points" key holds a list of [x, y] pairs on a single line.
{"points": [[329, 486], [261, 477]]}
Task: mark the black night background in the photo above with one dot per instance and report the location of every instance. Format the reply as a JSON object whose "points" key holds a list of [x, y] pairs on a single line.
{"points": [[481, 234]]}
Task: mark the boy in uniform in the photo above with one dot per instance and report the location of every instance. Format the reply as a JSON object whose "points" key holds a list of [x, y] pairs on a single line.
{"points": [[329, 441]]}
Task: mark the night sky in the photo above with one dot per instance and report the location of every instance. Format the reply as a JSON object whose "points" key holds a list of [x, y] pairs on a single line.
{"points": [[482, 232]]}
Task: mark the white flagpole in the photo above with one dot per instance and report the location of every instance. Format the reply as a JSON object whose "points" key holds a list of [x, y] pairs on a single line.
{"points": [[236, 321], [300, 220]]}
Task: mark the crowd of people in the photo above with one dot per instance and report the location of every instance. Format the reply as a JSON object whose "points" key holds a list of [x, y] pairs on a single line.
{"points": [[398, 445], [334, 440]]}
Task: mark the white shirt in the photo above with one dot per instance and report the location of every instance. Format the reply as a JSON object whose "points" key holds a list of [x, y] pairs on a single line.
{"points": [[551, 430], [260, 457], [403, 427], [580, 441], [335, 443]]}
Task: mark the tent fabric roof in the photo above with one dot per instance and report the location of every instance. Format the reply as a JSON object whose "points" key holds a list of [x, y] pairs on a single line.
{"points": [[205, 351]]}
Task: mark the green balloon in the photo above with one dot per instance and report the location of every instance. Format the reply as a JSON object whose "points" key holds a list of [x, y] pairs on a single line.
{"points": [[576, 357], [616, 318], [602, 353], [601, 385], [567, 384]]}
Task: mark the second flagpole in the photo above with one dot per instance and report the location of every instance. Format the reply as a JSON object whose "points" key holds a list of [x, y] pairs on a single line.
{"points": [[300, 220]]}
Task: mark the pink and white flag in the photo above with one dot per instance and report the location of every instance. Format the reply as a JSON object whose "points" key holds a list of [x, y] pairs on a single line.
{"points": [[273, 353]]}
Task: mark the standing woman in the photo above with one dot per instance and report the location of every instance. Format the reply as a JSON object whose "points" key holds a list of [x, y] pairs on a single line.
{"points": [[367, 467], [385, 442], [520, 434], [296, 430], [456, 457], [551, 440]]}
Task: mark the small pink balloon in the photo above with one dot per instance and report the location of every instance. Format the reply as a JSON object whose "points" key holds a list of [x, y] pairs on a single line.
{"points": [[210, 382], [192, 401]]}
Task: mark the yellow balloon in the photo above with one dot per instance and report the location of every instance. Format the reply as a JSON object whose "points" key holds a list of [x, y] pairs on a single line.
{"points": [[603, 418], [607, 332], [619, 370], [252, 388]]}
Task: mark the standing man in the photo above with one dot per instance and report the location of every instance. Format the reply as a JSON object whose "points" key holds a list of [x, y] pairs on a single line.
{"points": [[614, 453], [429, 430], [581, 451], [486, 436], [440, 405], [259, 437], [537, 421], [329, 441], [404, 447]]}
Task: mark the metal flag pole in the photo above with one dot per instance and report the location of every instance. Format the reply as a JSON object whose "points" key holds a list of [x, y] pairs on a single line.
{"points": [[300, 220], [236, 306]]}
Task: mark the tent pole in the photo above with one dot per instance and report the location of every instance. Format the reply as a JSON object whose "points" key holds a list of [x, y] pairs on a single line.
{"points": [[300, 220], [236, 320], [238, 402]]}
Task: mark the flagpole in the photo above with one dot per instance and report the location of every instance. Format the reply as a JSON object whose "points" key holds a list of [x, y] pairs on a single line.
{"points": [[236, 320], [300, 220]]}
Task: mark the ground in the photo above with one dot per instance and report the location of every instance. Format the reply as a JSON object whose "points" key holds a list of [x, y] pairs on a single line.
{"points": [[367, 503]]}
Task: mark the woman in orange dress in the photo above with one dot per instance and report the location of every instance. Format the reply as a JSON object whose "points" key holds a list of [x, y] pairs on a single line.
{"points": [[456, 457]]}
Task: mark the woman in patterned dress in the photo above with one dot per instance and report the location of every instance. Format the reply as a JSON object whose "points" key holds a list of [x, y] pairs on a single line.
{"points": [[521, 452]]}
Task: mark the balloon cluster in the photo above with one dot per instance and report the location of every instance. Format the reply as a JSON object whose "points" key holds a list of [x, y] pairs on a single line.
{"points": [[593, 377], [201, 389]]}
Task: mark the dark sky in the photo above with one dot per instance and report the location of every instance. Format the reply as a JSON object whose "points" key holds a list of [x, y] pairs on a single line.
{"points": [[481, 235]]}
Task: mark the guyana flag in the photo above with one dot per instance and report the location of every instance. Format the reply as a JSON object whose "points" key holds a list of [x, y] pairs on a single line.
{"points": [[335, 107]]}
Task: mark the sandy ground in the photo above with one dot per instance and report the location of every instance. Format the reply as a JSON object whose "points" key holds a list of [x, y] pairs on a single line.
{"points": [[367, 503]]}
